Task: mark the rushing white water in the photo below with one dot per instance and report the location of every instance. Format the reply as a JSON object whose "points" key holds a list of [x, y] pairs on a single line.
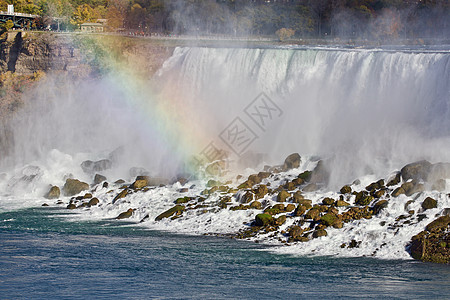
{"points": [[369, 112]]}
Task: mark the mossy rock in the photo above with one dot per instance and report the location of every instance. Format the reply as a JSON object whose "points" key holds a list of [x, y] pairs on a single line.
{"points": [[260, 191], [346, 189], [438, 224], [282, 196], [328, 201], [254, 179], [313, 214], [245, 185], [306, 203], [176, 210], [328, 219], [263, 219], [319, 233], [297, 197], [121, 195], [305, 176], [379, 193], [272, 211], [183, 200], [74, 186], [212, 183], [341, 203], [365, 201], [125, 214], [295, 232], [300, 210], [53, 193], [380, 205], [290, 207], [429, 203]]}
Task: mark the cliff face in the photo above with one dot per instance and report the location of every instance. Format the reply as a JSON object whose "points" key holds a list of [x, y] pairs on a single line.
{"points": [[24, 53]]}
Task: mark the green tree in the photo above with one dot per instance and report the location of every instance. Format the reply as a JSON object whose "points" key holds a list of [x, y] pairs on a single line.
{"points": [[84, 13]]}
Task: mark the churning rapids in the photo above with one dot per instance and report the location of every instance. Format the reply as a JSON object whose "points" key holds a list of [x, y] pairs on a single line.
{"points": [[367, 113]]}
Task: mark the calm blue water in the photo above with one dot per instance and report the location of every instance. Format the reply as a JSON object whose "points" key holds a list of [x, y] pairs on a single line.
{"points": [[43, 256]]}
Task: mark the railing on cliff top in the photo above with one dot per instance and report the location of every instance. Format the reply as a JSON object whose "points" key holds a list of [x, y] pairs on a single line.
{"points": [[17, 14]]}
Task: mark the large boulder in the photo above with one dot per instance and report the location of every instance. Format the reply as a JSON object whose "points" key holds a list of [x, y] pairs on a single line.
{"points": [[263, 219], [90, 166], [292, 162], [417, 171], [433, 244], [174, 211], [429, 203], [53, 193], [74, 186], [320, 174], [99, 178]]}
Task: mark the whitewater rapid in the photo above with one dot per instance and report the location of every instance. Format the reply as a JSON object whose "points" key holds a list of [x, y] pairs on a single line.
{"points": [[368, 111]]}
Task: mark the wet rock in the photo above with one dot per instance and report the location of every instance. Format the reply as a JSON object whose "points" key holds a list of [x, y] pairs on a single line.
{"points": [[216, 168], [71, 206], [295, 232], [346, 189], [341, 203], [93, 202], [394, 180], [261, 191], [380, 205], [328, 201], [290, 207], [291, 162], [366, 200], [313, 214], [44, 204], [99, 178], [183, 200], [306, 202], [439, 171], [446, 212], [125, 214], [297, 197], [74, 186], [398, 191], [121, 195], [263, 219], [176, 210], [319, 233], [247, 197], [300, 210], [282, 196], [320, 174], [328, 219], [119, 181], [375, 185], [256, 205], [53, 193], [140, 182], [432, 244], [429, 203], [416, 171], [280, 220], [90, 166], [379, 194], [305, 176]]}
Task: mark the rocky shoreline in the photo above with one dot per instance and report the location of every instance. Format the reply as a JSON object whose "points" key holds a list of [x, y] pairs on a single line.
{"points": [[277, 198]]}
